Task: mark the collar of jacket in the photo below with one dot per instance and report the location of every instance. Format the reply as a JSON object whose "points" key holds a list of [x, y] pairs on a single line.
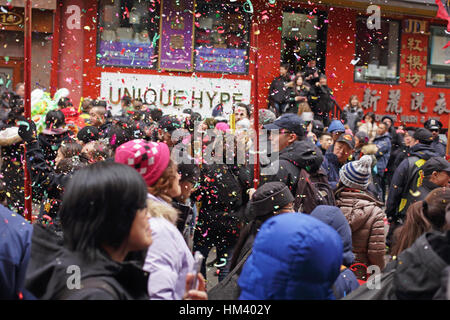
{"points": [[356, 193]]}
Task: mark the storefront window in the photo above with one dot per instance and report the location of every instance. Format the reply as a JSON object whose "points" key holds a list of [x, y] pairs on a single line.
{"points": [[128, 33], [438, 70], [377, 52], [303, 39], [221, 37]]}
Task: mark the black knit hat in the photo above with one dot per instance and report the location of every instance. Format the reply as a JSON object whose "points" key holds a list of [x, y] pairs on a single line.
{"points": [[270, 197], [423, 135]]}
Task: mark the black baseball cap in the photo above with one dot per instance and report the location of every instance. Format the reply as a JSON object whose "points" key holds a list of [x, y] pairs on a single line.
{"points": [[290, 122], [423, 135], [348, 139], [435, 164]]}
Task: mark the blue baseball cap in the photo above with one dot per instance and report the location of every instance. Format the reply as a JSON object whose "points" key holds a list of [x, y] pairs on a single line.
{"points": [[290, 122]]}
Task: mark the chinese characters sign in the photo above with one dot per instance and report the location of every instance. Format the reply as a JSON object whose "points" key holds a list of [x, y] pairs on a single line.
{"points": [[414, 60], [177, 35]]}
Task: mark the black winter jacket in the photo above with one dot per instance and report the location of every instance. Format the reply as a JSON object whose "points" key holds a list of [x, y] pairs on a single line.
{"points": [[48, 273], [398, 187], [299, 155], [50, 144]]}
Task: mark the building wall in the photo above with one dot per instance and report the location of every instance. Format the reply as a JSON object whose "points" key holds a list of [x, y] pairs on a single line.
{"points": [[340, 52]]}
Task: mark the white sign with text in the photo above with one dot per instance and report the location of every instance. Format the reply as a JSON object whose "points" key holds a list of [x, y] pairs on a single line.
{"points": [[173, 94]]}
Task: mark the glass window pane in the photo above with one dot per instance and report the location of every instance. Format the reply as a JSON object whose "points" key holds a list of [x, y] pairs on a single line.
{"points": [[377, 52], [127, 33], [438, 70], [221, 37]]}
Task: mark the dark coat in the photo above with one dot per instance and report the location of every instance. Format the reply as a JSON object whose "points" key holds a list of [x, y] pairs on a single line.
{"points": [[278, 92], [351, 116], [15, 235], [47, 274], [333, 216], [299, 155], [44, 177], [419, 268], [322, 97], [398, 188], [439, 146], [332, 166], [50, 144], [303, 91], [384, 151]]}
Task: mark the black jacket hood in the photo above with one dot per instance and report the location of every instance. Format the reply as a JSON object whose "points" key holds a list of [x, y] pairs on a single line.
{"points": [[303, 154], [423, 151]]}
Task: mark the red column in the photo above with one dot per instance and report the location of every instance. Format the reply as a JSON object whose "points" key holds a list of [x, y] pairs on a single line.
{"points": [[27, 105]]}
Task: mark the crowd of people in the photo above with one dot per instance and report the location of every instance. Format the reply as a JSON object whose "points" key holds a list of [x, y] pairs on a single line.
{"points": [[347, 196]]}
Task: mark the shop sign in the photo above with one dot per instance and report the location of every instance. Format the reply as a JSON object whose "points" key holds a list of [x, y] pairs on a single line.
{"points": [[173, 94], [176, 49], [10, 19], [417, 104], [416, 27]]}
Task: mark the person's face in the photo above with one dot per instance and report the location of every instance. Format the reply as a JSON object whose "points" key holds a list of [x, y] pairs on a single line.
{"points": [[336, 135], [241, 113], [381, 129], [283, 71], [312, 63], [368, 119], [388, 123], [323, 81], [281, 140], [441, 178], [326, 142], [354, 102], [408, 140], [175, 190], [21, 91], [140, 236], [95, 119], [167, 138], [299, 81], [342, 151], [435, 133], [59, 157]]}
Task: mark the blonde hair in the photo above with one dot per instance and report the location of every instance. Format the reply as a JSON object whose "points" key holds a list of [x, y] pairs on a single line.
{"points": [[162, 210]]}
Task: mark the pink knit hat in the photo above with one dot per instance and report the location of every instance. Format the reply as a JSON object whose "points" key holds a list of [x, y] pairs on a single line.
{"points": [[150, 159]]}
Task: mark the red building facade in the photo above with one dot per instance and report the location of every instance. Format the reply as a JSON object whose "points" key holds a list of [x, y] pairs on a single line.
{"points": [[400, 68]]}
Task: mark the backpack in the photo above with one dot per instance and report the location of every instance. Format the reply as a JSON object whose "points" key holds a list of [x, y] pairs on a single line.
{"points": [[312, 190], [228, 288], [415, 180]]}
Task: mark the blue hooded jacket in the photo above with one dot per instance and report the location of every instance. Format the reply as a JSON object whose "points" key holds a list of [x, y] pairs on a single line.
{"points": [[294, 257], [333, 216], [15, 235]]}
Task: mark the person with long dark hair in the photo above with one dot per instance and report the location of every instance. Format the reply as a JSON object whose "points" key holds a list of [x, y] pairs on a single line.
{"points": [[104, 217], [421, 217]]}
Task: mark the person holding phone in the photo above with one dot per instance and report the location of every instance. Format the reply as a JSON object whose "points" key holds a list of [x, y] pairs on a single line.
{"points": [[169, 260]]}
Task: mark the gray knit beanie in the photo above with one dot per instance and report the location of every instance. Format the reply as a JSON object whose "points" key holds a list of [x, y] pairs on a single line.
{"points": [[356, 174]]}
